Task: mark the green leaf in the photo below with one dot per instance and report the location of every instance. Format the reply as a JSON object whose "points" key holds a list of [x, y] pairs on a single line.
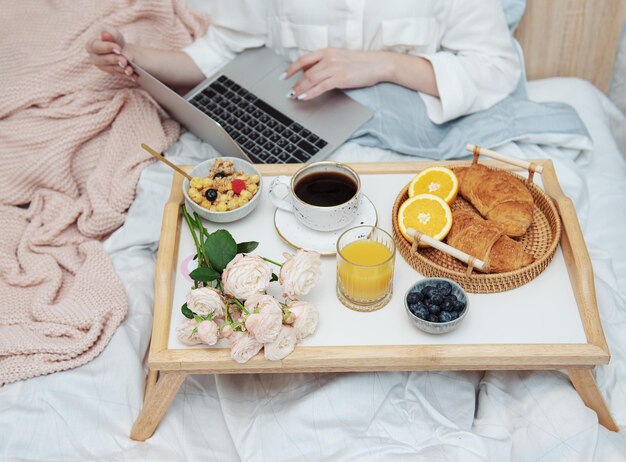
{"points": [[274, 277], [198, 319], [220, 248], [186, 311], [247, 247], [204, 274]]}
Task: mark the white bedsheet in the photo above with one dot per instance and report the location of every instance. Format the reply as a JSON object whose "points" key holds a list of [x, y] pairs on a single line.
{"points": [[86, 413]]}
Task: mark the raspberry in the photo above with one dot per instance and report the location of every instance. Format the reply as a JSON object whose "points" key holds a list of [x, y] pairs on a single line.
{"points": [[238, 186]]}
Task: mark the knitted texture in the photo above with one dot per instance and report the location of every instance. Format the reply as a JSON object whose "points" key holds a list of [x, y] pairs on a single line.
{"points": [[70, 139]]}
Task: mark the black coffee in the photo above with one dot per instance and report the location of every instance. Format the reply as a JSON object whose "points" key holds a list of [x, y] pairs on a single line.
{"points": [[325, 189]]}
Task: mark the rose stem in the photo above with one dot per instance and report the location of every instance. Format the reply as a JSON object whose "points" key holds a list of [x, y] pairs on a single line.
{"points": [[271, 261], [201, 236], [195, 239], [241, 305]]}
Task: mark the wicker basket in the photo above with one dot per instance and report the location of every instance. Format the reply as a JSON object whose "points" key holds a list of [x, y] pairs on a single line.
{"points": [[541, 240]]}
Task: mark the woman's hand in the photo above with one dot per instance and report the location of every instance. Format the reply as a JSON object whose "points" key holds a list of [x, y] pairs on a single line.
{"points": [[105, 52], [331, 68]]}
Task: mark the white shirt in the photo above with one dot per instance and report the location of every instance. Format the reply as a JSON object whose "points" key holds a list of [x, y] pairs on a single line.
{"points": [[467, 41]]}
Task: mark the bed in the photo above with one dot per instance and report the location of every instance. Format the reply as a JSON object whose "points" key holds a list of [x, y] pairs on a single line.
{"points": [[86, 413]]}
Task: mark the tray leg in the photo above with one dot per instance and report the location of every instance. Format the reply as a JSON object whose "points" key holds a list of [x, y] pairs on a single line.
{"points": [[585, 384], [156, 403], [151, 381]]}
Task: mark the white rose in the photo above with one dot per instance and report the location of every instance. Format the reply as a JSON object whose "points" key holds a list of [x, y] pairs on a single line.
{"points": [[284, 344], [185, 333], [205, 301], [243, 346], [307, 317], [246, 275], [207, 332], [227, 330], [265, 318], [300, 273]]}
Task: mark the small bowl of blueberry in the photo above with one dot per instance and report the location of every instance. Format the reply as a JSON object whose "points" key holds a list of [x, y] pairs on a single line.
{"points": [[436, 305]]}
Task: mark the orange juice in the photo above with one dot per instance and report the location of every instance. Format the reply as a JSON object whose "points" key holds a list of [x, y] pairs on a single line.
{"points": [[365, 270]]}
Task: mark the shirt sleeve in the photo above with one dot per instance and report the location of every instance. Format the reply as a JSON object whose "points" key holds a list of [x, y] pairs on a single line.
{"points": [[235, 26], [477, 65]]}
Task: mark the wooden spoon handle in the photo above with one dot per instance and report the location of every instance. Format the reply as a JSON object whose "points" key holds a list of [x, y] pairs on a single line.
{"points": [[162, 158]]}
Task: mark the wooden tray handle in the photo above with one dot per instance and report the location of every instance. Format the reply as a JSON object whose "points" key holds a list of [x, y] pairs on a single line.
{"points": [[530, 166], [471, 262]]}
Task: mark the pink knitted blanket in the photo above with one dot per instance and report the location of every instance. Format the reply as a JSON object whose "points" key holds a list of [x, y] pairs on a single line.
{"points": [[70, 159]]}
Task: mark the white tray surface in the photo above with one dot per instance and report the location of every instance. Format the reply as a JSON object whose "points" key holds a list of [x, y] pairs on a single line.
{"points": [[542, 311]]}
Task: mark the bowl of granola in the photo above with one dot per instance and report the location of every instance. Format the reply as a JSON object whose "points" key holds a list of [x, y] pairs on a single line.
{"points": [[223, 190]]}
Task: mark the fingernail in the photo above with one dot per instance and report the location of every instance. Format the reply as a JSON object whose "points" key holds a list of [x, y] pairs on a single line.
{"points": [[302, 96], [290, 94], [128, 72], [116, 51], [282, 76], [121, 64]]}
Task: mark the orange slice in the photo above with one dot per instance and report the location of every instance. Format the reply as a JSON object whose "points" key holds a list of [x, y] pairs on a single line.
{"points": [[440, 181], [426, 213]]}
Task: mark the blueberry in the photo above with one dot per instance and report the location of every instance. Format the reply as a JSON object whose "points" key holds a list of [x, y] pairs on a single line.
{"points": [[422, 312], [436, 298], [444, 287], [434, 309], [450, 298], [426, 291], [219, 175], [454, 314], [414, 297], [445, 316], [433, 318], [459, 306], [447, 305], [210, 194], [413, 307]]}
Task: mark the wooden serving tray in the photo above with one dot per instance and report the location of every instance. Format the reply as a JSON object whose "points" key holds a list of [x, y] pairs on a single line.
{"points": [[173, 364]]}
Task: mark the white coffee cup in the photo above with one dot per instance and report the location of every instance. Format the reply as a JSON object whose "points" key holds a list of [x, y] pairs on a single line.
{"points": [[282, 193]]}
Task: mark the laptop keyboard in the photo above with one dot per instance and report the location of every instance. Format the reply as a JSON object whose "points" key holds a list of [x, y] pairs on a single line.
{"points": [[268, 136]]}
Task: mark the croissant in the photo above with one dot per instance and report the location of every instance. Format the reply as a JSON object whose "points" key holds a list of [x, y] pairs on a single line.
{"points": [[485, 241], [500, 198]]}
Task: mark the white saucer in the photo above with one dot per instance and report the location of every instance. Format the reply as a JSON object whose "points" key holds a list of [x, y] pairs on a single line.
{"points": [[299, 236]]}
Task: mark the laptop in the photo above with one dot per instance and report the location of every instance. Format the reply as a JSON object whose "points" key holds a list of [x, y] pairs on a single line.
{"points": [[242, 111]]}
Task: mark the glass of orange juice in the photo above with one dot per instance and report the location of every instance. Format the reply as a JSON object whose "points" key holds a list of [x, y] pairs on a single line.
{"points": [[365, 260]]}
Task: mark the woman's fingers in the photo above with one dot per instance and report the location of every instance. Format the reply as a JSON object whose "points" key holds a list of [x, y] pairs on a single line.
{"points": [[113, 64], [112, 35], [311, 78], [303, 63], [110, 59], [320, 88], [98, 47]]}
